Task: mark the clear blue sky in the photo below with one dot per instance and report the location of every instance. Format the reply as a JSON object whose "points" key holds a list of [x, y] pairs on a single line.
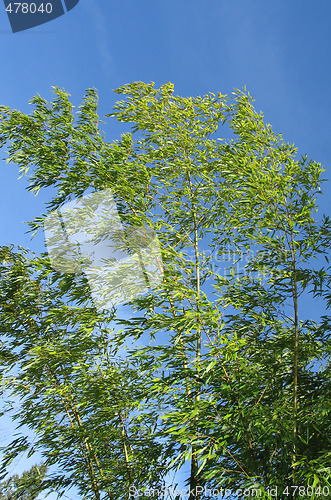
{"points": [[279, 50]]}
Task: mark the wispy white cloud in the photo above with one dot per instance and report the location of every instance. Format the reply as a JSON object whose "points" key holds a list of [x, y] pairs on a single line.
{"points": [[100, 25]]}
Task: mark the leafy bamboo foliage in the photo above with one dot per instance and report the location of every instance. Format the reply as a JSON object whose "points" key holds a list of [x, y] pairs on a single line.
{"points": [[24, 487], [225, 374]]}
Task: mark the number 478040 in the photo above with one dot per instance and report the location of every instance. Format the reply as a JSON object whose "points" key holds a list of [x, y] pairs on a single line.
{"points": [[25, 8]]}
